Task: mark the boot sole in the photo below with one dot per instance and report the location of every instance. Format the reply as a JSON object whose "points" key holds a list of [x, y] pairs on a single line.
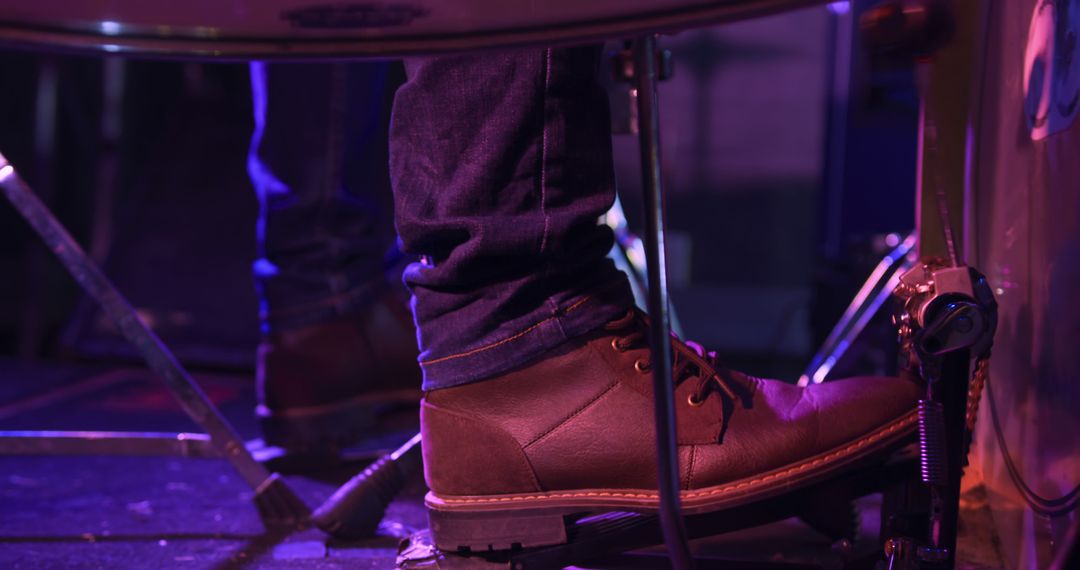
{"points": [[502, 522]]}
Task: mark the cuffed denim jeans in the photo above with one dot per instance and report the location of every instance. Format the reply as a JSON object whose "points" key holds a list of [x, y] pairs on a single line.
{"points": [[501, 168], [318, 162]]}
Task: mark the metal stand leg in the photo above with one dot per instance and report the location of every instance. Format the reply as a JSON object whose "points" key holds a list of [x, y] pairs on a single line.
{"points": [[871, 296], [645, 77], [278, 505]]}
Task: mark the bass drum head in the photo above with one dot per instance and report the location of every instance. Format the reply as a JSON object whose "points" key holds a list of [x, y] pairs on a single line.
{"points": [[1027, 231], [318, 28]]}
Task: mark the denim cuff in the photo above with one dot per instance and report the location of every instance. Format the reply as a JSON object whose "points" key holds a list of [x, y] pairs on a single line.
{"points": [[576, 316]]}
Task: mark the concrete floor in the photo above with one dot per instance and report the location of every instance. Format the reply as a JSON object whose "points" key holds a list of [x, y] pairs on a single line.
{"points": [[153, 512]]}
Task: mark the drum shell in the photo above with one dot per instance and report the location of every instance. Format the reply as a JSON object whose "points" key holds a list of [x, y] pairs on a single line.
{"points": [[1024, 234], [245, 29]]}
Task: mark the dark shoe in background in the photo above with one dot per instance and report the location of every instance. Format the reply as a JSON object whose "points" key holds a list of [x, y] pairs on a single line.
{"points": [[321, 387]]}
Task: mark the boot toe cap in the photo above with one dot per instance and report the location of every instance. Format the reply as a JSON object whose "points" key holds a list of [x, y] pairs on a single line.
{"points": [[788, 425], [850, 408]]}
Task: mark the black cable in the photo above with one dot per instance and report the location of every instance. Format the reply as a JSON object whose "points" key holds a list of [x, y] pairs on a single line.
{"points": [[1047, 507]]}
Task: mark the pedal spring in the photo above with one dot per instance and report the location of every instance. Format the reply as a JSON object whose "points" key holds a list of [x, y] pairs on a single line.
{"points": [[932, 442]]}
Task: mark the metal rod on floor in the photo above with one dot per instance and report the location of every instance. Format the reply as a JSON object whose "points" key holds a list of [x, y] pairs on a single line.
{"points": [[667, 458], [107, 443], [271, 494]]}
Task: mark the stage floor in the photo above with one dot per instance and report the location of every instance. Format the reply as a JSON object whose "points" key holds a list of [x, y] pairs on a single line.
{"points": [[110, 512]]}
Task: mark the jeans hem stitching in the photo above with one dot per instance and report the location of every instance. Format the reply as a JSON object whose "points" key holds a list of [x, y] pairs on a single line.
{"points": [[508, 339]]}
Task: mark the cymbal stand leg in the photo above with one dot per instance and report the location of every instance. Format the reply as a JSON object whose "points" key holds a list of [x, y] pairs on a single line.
{"points": [[278, 505]]}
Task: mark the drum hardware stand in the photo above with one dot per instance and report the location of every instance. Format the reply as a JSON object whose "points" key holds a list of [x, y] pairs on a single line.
{"points": [[871, 297], [623, 71], [946, 328], [278, 505], [946, 324], [948, 314]]}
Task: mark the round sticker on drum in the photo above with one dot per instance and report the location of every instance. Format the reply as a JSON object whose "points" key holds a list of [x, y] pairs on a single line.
{"points": [[1052, 68]]}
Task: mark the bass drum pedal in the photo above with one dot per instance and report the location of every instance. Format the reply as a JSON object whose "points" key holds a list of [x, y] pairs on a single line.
{"points": [[946, 321]]}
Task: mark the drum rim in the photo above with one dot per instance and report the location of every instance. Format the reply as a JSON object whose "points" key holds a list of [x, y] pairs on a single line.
{"points": [[145, 44]]}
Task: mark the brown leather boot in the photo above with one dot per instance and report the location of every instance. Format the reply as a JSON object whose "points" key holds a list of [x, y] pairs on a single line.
{"points": [[320, 386], [507, 458]]}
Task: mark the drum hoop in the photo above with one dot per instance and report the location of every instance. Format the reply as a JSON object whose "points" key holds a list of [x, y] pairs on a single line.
{"points": [[193, 47]]}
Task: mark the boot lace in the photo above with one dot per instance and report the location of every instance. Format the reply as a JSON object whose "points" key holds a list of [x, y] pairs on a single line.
{"points": [[690, 359]]}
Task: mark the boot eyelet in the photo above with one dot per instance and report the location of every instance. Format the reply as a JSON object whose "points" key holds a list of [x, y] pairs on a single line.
{"points": [[694, 402], [616, 346], [642, 366]]}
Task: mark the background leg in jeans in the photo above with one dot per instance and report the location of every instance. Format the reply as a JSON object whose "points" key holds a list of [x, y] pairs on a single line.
{"points": [[334, 330]]}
